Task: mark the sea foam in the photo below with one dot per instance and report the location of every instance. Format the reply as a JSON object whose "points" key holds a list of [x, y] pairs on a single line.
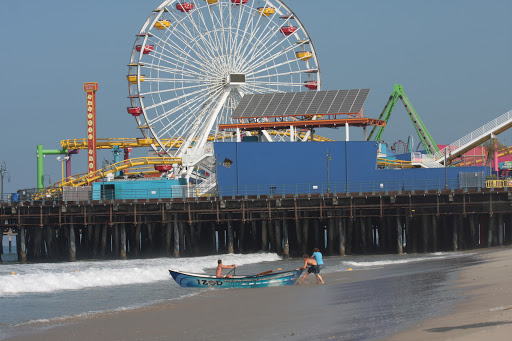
{"points": [[52, 277]]}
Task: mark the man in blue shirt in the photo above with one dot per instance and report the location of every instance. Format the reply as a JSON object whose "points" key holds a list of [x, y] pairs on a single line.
{"points": [[318, 257]]}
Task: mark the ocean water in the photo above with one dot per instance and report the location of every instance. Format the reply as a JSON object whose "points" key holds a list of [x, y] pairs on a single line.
{"points": [[54, 292]]}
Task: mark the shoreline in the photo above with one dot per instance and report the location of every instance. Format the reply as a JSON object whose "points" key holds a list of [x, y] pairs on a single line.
{"points": [[484, 313], [284, 312]]}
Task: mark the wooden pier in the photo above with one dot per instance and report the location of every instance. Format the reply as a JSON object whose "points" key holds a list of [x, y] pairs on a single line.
{"points": [[338, 224]]}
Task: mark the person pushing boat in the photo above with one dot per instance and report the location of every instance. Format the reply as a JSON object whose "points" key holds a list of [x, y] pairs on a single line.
{"points": [[221, 266], [313, 268]]}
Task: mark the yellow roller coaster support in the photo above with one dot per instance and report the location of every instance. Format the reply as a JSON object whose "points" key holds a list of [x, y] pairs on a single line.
{"points": [[87, 179], [109, 143]]}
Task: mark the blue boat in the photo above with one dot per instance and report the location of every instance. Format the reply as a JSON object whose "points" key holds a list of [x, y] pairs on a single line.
{"points": [[262, 280]]}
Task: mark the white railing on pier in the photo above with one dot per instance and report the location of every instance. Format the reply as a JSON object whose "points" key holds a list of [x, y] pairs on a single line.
{"points": [[206, 186], [475, 138], [424, 160]]}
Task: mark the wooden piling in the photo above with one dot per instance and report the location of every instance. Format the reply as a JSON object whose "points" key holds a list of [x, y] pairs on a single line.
{"points": [[399, 235], [500, 229], [230, 236], [122, 237], [490, 230], [177, 242], [72, 241], [330, 235], [264, 234], [455, 233], [277, 230], [434, 234], [22, 250], [286, 242], [341, 234], [104, 234]]}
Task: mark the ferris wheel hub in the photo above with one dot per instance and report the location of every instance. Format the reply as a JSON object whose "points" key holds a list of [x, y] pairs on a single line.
{"points": [[235, 79]]}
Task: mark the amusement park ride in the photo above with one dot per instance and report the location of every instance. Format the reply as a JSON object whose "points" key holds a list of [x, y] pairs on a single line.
{"points": [[196, 67]]}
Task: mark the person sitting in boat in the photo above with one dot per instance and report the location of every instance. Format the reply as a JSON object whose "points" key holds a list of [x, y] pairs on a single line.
{"points": [[313, 268], [221, 266]]}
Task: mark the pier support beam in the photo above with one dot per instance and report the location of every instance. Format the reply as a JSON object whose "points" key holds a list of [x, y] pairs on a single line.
{"points": [[424, 233], [455, 233], [122, 236], [264, 236], [72, 241], [433, 243], [500, 229], [330, 234], [22, 251], [399, 240], [230, 236], [286, 242], [490, 230], [177, 242], [277, 230], [341, 234]]}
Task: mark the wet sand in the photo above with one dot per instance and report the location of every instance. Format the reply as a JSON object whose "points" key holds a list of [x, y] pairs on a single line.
{"points": [[485, 313], [370, 304]]}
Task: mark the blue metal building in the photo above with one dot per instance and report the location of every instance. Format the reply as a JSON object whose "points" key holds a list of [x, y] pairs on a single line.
{"points": [[137, 189], [320, 167]]}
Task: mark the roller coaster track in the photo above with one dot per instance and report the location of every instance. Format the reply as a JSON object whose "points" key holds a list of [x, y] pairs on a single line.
{"points": [[501, 153], [395, 163], [87, 179], [475, 138], [109, 143]]}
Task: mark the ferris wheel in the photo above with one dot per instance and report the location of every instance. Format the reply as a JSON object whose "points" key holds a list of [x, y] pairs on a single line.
{"points": [[193, 61]]}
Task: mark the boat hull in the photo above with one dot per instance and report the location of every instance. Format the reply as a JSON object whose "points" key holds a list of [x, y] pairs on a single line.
{"points": [[188, 280]]}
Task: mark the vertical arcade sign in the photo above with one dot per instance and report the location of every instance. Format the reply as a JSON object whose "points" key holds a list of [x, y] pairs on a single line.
{"points": [[90, 89]]}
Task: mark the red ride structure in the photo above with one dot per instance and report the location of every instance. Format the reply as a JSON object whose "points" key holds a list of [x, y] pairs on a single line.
{"points": [[184, 6], [287, 30], [147, 48]]}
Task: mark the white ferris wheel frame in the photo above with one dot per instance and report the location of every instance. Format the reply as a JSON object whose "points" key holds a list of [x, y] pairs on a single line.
{"points": [[189, 48]]}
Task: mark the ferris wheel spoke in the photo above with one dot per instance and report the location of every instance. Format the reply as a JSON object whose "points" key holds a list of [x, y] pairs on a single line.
{"points": [[191, 120], [207, 42], [192, 101], [236, 45], [248, 32], [214, 41], [183, 32], [273, 67], [187, 117], [174, 99], [187, 90], [269, 37], [273, 74], [174, 69], [271, 57], [276, 83], [254, 41], [199, 60], [259, 89], [173, 58]]}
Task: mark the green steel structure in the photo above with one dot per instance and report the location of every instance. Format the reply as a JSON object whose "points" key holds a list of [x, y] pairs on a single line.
{"points": [[398, 93]]}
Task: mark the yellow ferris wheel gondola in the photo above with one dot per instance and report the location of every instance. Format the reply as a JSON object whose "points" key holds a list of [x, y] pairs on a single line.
{"points": [[266, 11]]}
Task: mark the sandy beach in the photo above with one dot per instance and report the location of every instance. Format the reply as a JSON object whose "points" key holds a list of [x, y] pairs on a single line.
{"points": [[485, 313], [334, 311]]}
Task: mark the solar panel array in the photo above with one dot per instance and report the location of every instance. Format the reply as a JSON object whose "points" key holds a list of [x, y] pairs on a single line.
{"points": [[301, 103]]}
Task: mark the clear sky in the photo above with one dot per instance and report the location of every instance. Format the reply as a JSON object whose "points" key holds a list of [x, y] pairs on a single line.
{"points": [[452, 57]]}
